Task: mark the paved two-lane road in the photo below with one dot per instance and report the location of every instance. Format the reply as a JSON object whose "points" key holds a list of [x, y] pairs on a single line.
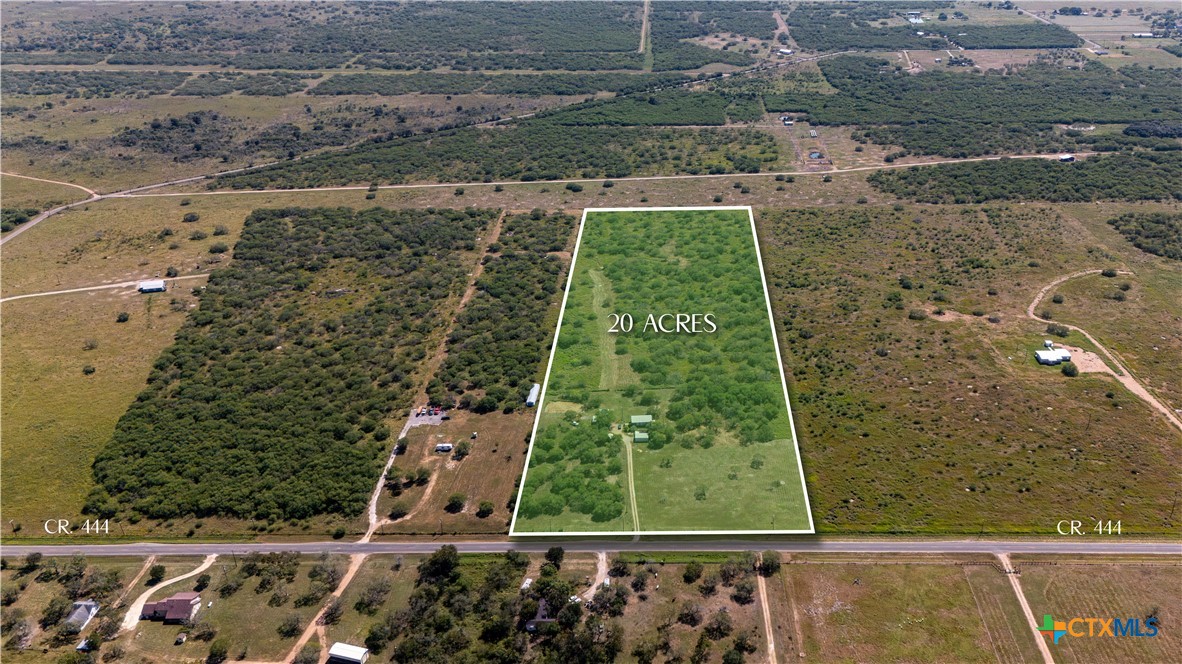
{"points": [[1080, 545]]}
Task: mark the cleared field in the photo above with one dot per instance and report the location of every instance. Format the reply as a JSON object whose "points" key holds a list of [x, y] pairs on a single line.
{"points": [[713, 449], [488, 473], [896, 612], [56, 416], [1106, 591], [975, 432]]}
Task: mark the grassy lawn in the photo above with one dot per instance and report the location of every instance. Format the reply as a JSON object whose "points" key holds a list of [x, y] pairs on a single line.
{"points": [[725, 466], [1101, 589], [248, 620]]}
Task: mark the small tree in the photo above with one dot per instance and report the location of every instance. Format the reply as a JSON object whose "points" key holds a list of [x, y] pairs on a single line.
{"points": [[202, 582], [218, 248], [555, 554], [190, 217], [689, 614], [485, 509], [122, 317], [1070, 370], [693, 571], [455, 502], [720, 625], [770, 564], [219, 651], [290, 627], [156, 574]]}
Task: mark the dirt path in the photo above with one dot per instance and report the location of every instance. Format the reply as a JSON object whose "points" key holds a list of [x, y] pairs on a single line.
{"points": [[64, 184], [133, 613], [791, 592], [314, 627], [1122, 373], [644, 26], [1039, 638], [640, 178], [767, 614], [431, 368], [600, 575], [781, 28], [148, 562], [122, 284], [631, 484]]}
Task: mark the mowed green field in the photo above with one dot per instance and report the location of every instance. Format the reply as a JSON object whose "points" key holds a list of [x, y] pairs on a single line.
{"points": [[720, 453]]}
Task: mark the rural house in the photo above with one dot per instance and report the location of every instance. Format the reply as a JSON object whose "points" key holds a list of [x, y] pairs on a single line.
{"points": [[176, 609]]}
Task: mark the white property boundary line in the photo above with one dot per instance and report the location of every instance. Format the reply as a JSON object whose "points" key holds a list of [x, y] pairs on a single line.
{"points": [[550, 365]]}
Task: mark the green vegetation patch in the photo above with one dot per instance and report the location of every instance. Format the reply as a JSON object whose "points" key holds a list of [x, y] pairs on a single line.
{"points": [[1130, 177], [90, 83], [531, 151], [270, 402], [492, 84], [499, 344], [666, 316], [1158, 233]]}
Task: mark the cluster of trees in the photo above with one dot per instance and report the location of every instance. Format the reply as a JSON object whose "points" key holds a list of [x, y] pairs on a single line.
{"points": [[10, 217], [493, 60], [66, 581], [873, 91], [268, 405], [959, 139], [90, 83], [197, 135], [216, 84], [52, 58], [1019, 35], [499, 84], [1130, 177], [529, 151], [470, 609], [670, 24], [1155, 129], [674, 107], [570, 467], [1159, 233], [840, 26], [500, 340]]}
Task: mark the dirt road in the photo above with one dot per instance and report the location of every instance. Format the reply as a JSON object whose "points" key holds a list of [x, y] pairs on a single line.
{"points": [[1122, 373]]}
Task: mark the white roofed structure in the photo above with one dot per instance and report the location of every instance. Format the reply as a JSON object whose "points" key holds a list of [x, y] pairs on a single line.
{"points": [[343, 653]]}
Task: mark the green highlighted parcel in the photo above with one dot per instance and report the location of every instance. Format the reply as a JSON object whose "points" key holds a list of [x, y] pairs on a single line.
{"points": [[665, 409]]}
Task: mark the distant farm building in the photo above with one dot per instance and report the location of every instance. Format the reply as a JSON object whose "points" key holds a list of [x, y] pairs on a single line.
{"points": [[915, 20], [642, 420], [343, 653], [152, 286], [176, 609], [532, 399], [1143, 35], [640, 437], [444, 447], [1066, 158], [540, 618], [786, 51]]}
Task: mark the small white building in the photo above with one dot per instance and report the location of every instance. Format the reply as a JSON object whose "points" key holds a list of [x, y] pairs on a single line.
{"points": [[1143, 35], [1066, 158], [444, 447], [640, 437], [642, 420], [785, 51], [343, 653], [532, 399], [152, 286], [1052, 356]]}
